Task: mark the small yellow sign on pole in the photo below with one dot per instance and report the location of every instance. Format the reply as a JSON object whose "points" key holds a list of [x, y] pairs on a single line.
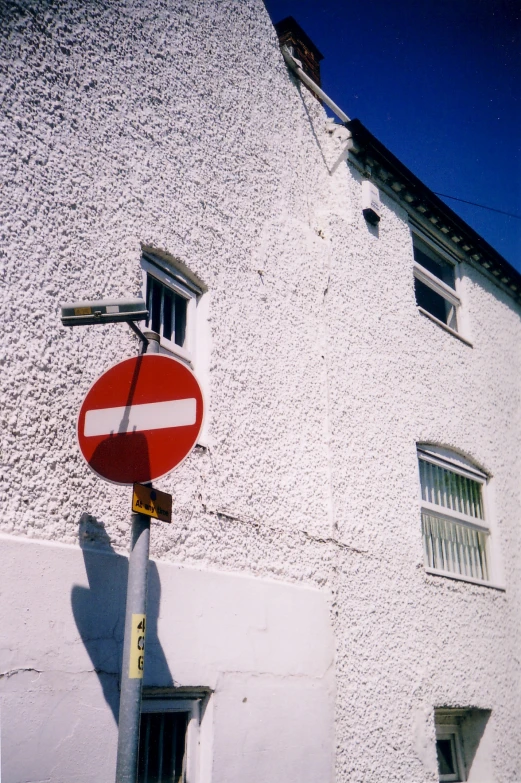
{"points": [[152, 503], [137, 647]]}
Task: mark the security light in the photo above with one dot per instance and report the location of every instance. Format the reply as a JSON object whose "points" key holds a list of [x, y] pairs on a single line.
{"points": [[105, 312], [370, 202]]}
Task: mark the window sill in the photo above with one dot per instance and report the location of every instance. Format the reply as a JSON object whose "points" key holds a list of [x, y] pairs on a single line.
{"points": [[462, 578], [167, 348], [444, 326]]}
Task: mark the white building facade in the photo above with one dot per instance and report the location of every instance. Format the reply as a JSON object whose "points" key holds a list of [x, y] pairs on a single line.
{"points": [[338, 596]]}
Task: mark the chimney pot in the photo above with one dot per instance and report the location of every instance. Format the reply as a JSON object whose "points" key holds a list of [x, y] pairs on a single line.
{"points": [[292, 35]]}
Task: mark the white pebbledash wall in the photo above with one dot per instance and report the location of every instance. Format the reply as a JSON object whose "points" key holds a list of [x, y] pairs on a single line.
{"points": [[291, 582]]}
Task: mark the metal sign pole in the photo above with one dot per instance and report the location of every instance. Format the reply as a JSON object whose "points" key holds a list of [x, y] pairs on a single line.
{"points": [[134, 641], [133, 651], [123, 460]]}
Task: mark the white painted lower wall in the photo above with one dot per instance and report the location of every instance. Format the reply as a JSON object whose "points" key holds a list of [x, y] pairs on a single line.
{"points": [[264, 649]]}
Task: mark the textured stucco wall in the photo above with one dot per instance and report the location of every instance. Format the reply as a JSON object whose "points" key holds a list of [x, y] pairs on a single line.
{"points": [[176, 125], [166, 136], [415, 641]]}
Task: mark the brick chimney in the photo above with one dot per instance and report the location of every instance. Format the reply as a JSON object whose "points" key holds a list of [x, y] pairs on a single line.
{"points": [[293, 36]]}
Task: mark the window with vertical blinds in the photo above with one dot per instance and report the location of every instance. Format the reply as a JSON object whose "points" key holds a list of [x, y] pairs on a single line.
{"points": [[455, 532]]}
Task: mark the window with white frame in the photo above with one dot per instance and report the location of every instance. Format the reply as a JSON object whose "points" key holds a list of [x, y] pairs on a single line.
{"points": [[464, 744], [171, 297], [435, 282], [454, 526], [168, 739], [449, 746]]}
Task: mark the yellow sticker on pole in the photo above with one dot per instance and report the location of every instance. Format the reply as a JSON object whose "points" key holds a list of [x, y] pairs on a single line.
{"points": [[137, 647], [152, 502]]}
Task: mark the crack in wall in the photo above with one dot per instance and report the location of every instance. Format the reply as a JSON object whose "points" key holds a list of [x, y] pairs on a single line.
{"points": [[329, 540], [12, 672], [22, 669]]}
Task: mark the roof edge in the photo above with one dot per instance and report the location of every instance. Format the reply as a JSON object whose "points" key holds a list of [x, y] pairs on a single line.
{"points": [[382, 165]]}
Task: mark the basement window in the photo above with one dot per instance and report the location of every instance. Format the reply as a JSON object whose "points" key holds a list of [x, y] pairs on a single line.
{"points": [[168, 740], [459, 735], [435, 282], [449, 747]]}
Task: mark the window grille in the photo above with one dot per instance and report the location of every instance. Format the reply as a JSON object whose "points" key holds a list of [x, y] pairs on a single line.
{"points": [[455, 533], [169, 735], [162, 743], [167, 311], [172, 298]]}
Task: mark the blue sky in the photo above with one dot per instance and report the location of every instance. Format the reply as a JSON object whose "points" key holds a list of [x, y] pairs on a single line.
{"points": [[439, 84]]}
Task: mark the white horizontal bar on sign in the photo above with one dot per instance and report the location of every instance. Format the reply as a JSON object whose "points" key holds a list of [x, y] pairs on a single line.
{"points": [[137, 418]]}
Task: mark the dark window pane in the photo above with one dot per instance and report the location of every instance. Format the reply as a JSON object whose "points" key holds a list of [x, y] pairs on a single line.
{"points": [[436, 265], [168, 302], [149, 300], [154, 304], [181, 305], [435, 304], [179, 746], [446, 763], [162, 739]]}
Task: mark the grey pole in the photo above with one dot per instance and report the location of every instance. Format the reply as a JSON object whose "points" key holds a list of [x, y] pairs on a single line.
{"points": [[134, 641]]}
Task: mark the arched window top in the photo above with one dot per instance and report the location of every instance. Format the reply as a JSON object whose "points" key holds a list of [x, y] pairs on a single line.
{"points": [[453, 458]]}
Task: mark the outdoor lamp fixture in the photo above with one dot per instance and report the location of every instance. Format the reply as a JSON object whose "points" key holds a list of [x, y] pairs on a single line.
{"points": [[107, 311]]}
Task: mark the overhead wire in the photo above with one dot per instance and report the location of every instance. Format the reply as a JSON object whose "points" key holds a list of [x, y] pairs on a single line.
{"points": [[474, 204], [295, 66]]}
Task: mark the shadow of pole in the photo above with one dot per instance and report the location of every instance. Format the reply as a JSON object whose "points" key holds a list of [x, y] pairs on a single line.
{"points": [[99, 613]]}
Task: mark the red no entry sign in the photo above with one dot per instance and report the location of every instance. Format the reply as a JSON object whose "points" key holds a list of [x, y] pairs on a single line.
{"points": [[140, 419]]}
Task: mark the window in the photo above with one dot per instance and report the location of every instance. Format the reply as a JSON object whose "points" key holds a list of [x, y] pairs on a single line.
{"points": [[460, 733], [171, 298], [454, 527], [178, 303], [449, 746], [168, 739], [162, 742], [435, 283], [167, 311]]}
